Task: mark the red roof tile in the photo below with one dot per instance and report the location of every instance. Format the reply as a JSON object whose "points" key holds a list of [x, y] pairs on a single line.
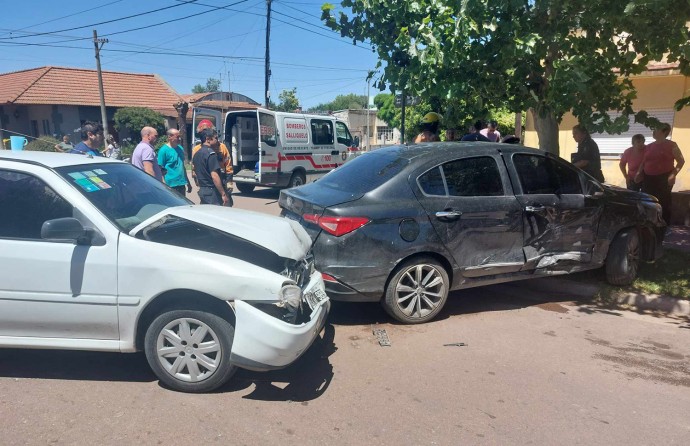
{"points": [[76, 86]]}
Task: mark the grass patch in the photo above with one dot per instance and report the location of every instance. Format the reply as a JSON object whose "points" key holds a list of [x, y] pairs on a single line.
{"points": [[670, 276]]}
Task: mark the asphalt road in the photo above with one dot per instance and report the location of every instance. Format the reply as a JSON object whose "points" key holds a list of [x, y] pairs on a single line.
{"points": [[536, 368]]}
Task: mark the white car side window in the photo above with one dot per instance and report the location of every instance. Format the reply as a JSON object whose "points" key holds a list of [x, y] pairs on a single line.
{"points": [[27, 202]]}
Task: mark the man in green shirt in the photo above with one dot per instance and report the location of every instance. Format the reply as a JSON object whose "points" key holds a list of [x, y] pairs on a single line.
{"points": [[171, 159], [65, 146]]}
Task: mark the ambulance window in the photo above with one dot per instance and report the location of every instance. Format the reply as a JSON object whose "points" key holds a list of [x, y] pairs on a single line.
{"points": [[343, 134], [267, 124], [321, 132]]}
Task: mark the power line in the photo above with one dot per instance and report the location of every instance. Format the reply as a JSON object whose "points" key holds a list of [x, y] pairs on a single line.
{"points": [[300, 10], [291, 24], [167, 53], [68, 15], [186, 2]]}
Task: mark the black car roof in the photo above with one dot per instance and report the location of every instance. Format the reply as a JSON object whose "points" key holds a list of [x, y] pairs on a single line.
{"points": [[443, 150]]}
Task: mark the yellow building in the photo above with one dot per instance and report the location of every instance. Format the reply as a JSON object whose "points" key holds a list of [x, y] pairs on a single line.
{"points": [[658, 89]]}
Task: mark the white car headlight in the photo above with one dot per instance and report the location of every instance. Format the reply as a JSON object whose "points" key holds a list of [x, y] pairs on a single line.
{"points": [[290, 296]]}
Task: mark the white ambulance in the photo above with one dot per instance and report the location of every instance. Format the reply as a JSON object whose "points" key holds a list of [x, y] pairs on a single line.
{"points": [[279, 149]]}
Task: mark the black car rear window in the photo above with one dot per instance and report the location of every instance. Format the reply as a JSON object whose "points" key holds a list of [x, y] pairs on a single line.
{"points": [[366, 172]]}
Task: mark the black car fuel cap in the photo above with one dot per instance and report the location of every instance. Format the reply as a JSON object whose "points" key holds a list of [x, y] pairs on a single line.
{"points": [[409, 230]]}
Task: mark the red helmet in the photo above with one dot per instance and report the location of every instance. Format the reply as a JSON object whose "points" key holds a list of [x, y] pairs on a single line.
{"points": [[204, 124]]}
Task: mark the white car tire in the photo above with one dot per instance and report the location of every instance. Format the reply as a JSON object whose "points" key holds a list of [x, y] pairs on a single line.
{"points": [[189, 350]]}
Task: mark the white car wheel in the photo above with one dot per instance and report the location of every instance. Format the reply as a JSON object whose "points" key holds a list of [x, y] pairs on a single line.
{"points": [[189, 350]]}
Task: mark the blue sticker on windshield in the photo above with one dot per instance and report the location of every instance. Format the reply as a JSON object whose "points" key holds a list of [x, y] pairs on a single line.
{"points": [[100, 172], [76, 175], [87, 185]]}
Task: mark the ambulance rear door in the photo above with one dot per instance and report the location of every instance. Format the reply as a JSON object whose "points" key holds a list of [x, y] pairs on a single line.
{"points": [[213, 116], [269, 148]]}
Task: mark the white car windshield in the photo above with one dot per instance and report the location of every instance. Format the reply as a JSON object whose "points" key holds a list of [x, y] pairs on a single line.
{"points": [[124, 194]]}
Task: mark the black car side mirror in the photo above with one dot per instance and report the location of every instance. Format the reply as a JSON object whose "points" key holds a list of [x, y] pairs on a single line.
{"points": [[67, 229]]}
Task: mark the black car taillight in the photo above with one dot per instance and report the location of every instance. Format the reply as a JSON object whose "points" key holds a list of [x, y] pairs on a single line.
{"points": [[336, 225]]}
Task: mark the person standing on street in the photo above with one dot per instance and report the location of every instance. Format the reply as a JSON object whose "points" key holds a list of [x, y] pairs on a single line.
{"points": [[587, 157], [632, 158], [473, 133], [91, 140], [429, 128], [144, 155], [171, 159], [113, 150], [490, 132], [225, 159], [65, 146], [207, 171], [658, 168]]}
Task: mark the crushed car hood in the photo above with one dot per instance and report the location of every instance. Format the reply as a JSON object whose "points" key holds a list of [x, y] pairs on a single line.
{"points": [[629, 194], [282, 236]]}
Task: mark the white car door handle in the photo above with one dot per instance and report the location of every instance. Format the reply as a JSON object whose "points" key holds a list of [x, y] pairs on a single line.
{"points": [[538, 208]]}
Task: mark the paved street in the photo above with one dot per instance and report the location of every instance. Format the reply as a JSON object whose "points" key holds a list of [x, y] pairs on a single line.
{"points": [[535, 369]]}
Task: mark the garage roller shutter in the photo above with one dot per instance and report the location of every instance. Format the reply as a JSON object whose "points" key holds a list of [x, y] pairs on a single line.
{"points": [[615, 145]]}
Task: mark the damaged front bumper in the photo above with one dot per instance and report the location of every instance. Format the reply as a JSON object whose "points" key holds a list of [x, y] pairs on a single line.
{"points": [[264, 342]]}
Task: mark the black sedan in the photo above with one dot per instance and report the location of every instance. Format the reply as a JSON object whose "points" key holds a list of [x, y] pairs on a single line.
{"points": [[405, 225]]}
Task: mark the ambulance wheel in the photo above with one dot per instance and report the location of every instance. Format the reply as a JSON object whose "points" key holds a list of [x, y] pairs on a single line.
{"points": [[297, 179], [245, 188]]}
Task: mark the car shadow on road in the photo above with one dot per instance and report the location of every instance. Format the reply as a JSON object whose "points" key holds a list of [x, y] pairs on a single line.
{"points": [[501, 297], [74, 365], [305, 380]]}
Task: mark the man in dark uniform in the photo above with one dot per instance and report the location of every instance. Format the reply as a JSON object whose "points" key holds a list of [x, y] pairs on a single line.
{"points": [[207, 170], [587, 157]]}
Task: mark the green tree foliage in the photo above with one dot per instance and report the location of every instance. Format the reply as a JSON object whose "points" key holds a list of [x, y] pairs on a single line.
{"points": [[133, 119], [287, 101], [212, 84], [385, 104], [549, 56], [43, 144], [342, 102]]}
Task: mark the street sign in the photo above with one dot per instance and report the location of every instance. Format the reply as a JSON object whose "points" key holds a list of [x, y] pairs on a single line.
{"points": [[411, 100]]}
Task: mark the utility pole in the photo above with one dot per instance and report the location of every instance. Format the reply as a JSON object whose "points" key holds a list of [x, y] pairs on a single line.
{"points": [[104, 115], [268, 52], [402, 122]]}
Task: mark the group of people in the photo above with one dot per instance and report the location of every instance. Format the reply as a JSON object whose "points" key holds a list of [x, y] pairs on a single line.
{"points": [[476, 132], [211, 162], [652, 168]]}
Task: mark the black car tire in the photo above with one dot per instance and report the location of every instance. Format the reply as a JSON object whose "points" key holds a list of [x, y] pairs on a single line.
{"points": [[212, 359], [417, 291], [623, 259], [245, 188], [297, 179]]}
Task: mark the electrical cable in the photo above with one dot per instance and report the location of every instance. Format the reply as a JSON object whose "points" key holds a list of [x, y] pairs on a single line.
{"points": [[186, 2]]}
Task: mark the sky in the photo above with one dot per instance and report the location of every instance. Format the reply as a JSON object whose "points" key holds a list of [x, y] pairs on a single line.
{"points": [[223, 39]]}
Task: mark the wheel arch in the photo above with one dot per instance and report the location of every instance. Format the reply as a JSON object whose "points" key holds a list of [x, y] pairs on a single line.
{"points": [[180, 299]]}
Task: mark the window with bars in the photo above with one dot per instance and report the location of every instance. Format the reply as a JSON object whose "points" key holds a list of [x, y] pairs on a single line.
{"points": [[615, 145]]}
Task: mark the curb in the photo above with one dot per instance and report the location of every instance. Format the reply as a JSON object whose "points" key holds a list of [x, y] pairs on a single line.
{"points": [[571, 288]]}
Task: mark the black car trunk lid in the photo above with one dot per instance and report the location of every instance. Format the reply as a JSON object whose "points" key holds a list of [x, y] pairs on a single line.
{"points": [[309, 201]]}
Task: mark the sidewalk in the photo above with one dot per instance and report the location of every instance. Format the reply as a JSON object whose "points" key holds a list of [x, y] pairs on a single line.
{"points": [[678, 237]]}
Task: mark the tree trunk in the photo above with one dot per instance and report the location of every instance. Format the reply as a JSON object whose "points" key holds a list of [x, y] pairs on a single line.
{"points": [[182, 108], [547, 131]]}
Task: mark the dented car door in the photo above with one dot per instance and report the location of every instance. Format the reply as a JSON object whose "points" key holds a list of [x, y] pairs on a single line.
{"points": [[560, 224]]}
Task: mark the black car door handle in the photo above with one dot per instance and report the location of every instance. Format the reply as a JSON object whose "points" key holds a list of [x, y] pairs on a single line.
{"points": [[448, 215], [537, 208]]}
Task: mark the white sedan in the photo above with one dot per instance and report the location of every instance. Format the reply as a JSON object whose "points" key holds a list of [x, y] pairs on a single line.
{"points": [[97, 255]]}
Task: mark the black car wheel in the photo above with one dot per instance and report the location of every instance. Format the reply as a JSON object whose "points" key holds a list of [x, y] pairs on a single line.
{"points": [[623, 259], [245, 188], [417, 291], [189, 350], [297, 179]]}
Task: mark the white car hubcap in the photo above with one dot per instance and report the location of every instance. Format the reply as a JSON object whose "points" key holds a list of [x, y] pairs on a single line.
{"points": [[188, 349]]}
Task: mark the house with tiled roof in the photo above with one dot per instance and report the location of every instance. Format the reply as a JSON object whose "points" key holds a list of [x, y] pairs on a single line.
{"points": [[57, 100]]}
